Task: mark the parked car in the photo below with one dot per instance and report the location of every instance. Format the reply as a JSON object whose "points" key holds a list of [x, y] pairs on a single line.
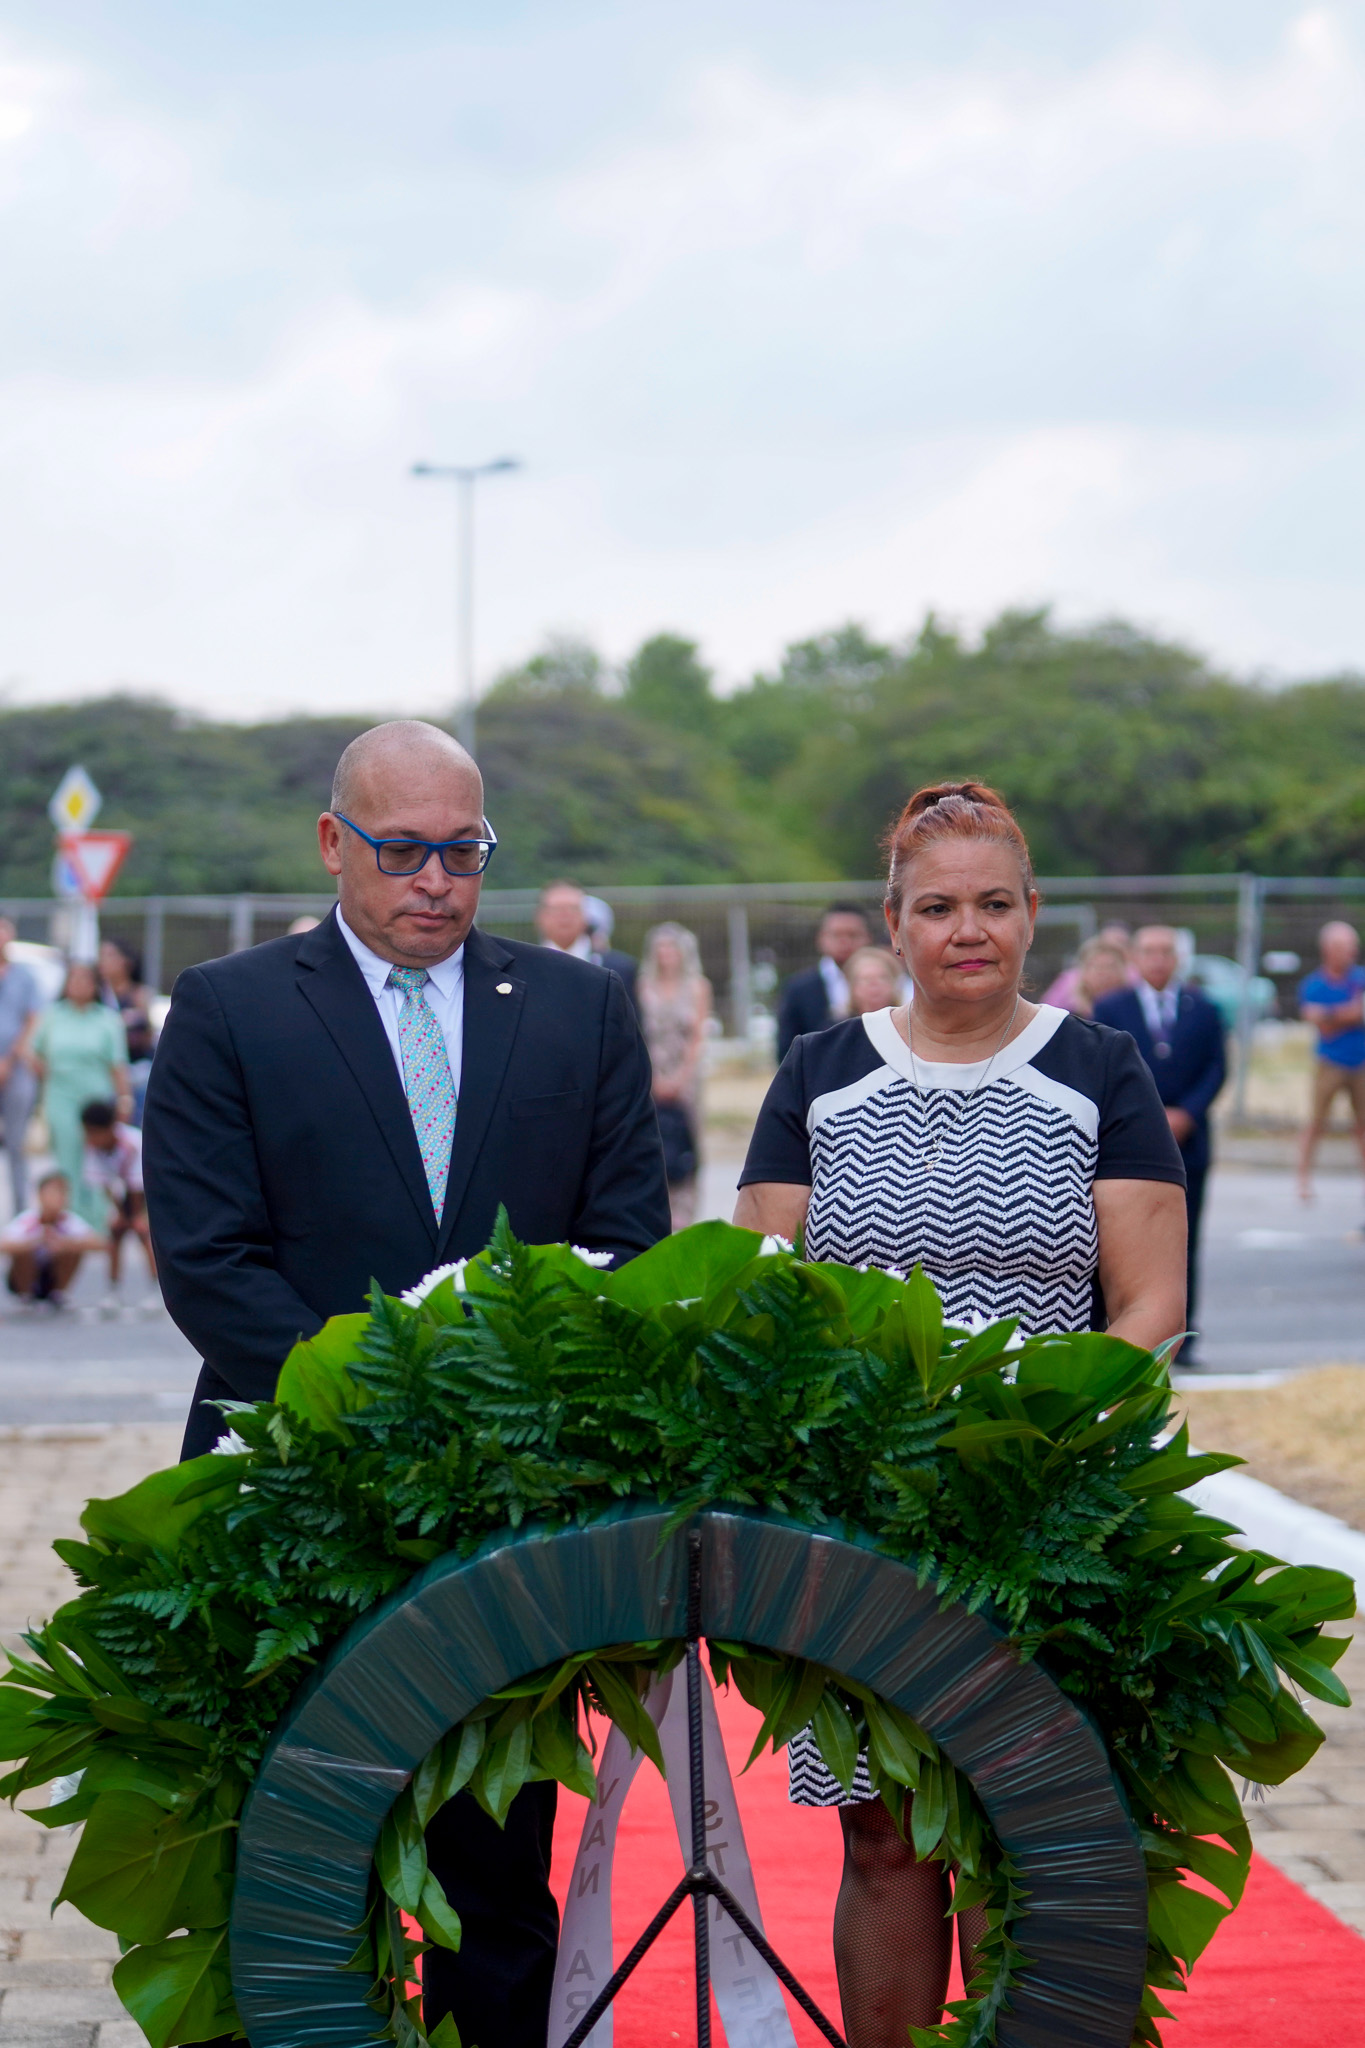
{"points": [[1223, 982]]}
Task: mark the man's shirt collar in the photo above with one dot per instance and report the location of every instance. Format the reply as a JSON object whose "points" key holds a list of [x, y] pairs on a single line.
{"points": [[446, 975]]}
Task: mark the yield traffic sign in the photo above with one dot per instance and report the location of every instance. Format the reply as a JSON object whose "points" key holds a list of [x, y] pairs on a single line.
{"points": [[95, 859], [75, 803]]}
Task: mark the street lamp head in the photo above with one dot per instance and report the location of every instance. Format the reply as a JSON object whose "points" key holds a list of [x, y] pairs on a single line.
{"points": [[466, 472]]}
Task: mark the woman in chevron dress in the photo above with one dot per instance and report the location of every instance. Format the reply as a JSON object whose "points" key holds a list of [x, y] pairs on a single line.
{"points": [[1022, 1155]]}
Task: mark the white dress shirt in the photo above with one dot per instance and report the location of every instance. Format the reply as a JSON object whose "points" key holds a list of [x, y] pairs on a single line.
{"points": [[836, 988], [1159, 1006], [581, 949], [444, 991]]}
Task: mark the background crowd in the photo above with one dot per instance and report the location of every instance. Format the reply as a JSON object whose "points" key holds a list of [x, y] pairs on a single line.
{"points": [[74, 1064]]}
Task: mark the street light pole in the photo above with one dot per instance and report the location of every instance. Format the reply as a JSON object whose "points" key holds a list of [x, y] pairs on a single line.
{"points": [[464, 477]]}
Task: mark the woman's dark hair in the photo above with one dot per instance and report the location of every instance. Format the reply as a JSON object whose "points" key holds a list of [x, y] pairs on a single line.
{"points": [[132, 959], [950, 810]]}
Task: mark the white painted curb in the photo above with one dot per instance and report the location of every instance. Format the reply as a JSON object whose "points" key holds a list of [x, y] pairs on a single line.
{"points": [[1272, 1521]]}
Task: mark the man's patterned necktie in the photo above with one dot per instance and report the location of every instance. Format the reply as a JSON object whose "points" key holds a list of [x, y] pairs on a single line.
{"points": [[427, 1079]]}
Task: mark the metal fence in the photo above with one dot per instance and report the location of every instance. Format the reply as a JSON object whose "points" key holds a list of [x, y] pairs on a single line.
{"points": [[753, 935]]}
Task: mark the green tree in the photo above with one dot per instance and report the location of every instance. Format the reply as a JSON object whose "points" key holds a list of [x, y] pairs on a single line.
{"points": [[667, 684]]}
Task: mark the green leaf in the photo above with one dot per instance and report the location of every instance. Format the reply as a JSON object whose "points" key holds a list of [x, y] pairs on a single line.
{"points": [[315, 1382], [929, 1808], [438, 1919], [922, 1312], [692, 1265], [179, 1990], [503, 1771], [143, 1872], [978, 1435], [114, 1770], [626, 1709], [1174, 1468], [158, 1512], [897, 1742], [835, 1737], [18, 1729], [401, 1857], [1186, 1920], [1315, 1677], [1101, 1367], [985, 1352], [557, 1751]]}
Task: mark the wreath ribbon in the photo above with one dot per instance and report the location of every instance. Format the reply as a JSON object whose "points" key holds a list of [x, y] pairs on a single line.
{"points": [[750, 1999]]}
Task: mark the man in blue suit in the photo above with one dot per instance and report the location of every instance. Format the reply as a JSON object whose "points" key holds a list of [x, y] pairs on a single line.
{"points": [[1180, 1035]]}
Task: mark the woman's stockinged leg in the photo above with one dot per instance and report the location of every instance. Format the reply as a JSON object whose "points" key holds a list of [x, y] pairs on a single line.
{"points": [[892, 1934]]}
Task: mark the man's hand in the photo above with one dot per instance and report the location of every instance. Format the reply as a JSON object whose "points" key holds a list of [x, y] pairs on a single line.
{"points": [[1182, 1125], [6, 1068]]}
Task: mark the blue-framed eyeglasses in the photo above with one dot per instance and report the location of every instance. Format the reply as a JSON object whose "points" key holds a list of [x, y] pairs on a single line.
{"points": [[410, 856]]}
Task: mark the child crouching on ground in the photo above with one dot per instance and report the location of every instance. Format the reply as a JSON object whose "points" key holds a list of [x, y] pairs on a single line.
{"points": [[47, 1243]]}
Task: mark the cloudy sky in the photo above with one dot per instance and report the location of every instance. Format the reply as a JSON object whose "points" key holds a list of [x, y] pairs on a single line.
{"points": [[795, 312]]}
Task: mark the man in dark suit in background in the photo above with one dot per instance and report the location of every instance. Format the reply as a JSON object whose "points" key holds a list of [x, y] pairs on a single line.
{"points": [[353, 1104], [562, 921], [1180, 1035], [819, 995]]}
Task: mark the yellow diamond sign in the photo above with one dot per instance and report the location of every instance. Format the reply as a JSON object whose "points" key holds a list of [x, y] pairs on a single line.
{"points": [[75, 802]]}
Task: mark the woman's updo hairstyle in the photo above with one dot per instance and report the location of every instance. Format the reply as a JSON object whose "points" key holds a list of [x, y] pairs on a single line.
{"points": [[950, 810]]}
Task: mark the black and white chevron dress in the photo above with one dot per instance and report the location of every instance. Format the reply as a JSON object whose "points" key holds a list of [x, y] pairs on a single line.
{"points": [[1004, 1224]]}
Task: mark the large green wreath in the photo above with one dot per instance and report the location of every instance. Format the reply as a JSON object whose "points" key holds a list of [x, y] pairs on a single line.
{"points": [[716, 1370]]}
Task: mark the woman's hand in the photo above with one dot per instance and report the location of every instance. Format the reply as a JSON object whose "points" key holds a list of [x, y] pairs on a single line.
{"points": [[776, 1207], [1142, 1258]]}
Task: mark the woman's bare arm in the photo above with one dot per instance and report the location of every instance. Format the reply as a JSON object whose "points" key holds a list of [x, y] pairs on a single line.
{"points": [[1142, 1258], [776, 1207]]}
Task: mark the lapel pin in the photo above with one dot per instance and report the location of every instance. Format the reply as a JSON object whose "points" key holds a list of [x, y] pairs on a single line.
{"points": [[504, 988]]}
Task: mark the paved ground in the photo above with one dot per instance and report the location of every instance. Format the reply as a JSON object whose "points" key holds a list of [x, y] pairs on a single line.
{"points": [[54, 1970]]}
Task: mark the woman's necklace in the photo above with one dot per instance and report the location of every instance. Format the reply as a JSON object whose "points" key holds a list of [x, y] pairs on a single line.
{"points": [[933, 1151]]}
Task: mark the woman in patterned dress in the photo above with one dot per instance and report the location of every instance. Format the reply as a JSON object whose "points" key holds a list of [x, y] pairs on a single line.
{"points": [[1023, 1157], [674, 999]]}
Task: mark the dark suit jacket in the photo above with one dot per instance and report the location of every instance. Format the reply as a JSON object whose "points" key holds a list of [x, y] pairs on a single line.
{"points": [[1190, 1075], [804, 1007], [622, 964], [282, 1169]]}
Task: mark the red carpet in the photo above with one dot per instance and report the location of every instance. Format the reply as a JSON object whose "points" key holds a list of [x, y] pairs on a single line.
{"points": [[1280, 1970]]}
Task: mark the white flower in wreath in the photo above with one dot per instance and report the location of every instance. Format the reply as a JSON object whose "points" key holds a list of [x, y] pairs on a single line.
{"points": [[591, 1258], [413, 1297], [772, 1245], [976, 1323]]}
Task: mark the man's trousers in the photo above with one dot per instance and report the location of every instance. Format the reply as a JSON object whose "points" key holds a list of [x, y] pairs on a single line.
{"points": [[498, 1880]]}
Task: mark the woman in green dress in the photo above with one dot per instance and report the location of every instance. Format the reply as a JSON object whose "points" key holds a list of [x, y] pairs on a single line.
{"points": [[80, 1052]]}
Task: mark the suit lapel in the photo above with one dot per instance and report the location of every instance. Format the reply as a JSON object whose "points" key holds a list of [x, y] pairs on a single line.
{"points": [[330, 980], [490, 1025]]}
